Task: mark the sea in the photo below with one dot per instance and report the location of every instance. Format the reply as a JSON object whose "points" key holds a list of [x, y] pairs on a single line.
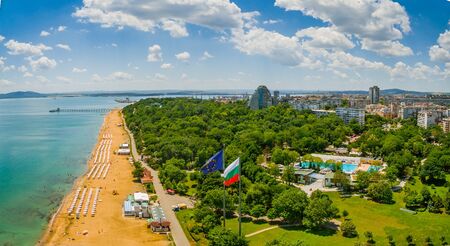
{"points": [[41, 154]]}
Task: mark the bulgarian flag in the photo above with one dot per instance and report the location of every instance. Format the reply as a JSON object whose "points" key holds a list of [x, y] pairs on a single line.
{"points": [[232, 173]]}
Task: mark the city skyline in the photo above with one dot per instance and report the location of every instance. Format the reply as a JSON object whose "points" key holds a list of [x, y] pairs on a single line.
{"points": [[221, 44]]}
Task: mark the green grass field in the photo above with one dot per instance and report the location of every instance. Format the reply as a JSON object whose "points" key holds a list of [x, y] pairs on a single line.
{"points": [[381, 219]]}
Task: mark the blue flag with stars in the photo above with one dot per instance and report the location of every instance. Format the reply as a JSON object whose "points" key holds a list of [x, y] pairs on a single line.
{"points": [[215, 163]]}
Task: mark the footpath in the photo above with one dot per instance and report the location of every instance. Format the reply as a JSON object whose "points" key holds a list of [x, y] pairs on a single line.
{"points": [[166, 200]]}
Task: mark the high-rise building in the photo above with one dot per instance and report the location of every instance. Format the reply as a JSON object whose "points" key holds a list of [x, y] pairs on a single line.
{"points": [[276, 97], [261, 98], [374, 95], [348, 114]]}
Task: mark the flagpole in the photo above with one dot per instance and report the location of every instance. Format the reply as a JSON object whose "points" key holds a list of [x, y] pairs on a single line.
{"points": [[240, 198], [224, 192]]}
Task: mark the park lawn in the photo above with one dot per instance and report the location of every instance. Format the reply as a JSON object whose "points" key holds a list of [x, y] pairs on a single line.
{"points": [[293, 234], [384, 219], [418, 185], [192, 186], [247, 226], [380, 219]]}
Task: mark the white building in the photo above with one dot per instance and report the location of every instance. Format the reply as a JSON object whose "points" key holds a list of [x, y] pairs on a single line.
{"points": [[445, 124], [348, 114], [428, 118], [322, 112]]}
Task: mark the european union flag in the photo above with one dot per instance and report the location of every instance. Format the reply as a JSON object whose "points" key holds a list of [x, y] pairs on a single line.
{"points": [[215, 163]]}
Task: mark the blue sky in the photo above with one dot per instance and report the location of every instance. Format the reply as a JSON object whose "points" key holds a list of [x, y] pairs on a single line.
{"points": [[63, 46]]}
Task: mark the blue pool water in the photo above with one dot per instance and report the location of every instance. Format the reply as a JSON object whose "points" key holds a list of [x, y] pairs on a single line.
{"points": [[346, 167], [349, 168]]}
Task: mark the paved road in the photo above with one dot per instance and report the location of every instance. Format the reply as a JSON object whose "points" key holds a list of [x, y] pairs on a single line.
{"points": [[166, 200]]}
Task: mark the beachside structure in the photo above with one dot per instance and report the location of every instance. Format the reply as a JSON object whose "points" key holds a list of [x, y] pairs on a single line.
{"points": [[128, 209], [147, 178], [158, 222], [123, 152], [124, 149], [141, 197], [137, 205]]}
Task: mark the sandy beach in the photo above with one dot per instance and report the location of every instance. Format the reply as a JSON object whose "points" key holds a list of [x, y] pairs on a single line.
{"points": [[108, 226]]}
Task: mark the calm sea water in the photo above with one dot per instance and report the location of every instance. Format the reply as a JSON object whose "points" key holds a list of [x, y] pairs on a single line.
{"points": [[41, 154]]}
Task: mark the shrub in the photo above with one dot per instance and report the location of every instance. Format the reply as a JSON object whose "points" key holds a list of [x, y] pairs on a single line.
{"points": [[348, 229]]}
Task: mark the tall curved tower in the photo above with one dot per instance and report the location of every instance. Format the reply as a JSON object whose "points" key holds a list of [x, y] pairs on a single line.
{"points": [[261, 98]]}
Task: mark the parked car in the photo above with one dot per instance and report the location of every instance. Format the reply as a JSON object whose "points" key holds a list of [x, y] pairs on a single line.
{"points": [[178, 207]]}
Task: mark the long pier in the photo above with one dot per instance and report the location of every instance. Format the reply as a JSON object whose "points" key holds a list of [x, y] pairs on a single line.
{"points": [[81, 110]]}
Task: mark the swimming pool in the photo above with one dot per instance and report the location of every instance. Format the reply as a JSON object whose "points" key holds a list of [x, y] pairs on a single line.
{"points": [[349, 168]]}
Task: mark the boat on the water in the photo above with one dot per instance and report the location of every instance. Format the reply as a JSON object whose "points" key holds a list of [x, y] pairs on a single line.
{"points": [[54, 110], [126, 100]]}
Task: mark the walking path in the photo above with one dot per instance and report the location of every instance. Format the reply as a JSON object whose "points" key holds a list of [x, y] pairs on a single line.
{"points": [[166, 200], [268, 229]]}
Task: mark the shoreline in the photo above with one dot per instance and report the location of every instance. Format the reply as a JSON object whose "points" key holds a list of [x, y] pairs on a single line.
{"points": [[107, 220], [76, 183]]}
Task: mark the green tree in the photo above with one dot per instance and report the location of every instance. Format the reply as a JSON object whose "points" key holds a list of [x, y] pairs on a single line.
{"points": [[432, 171], [410, 240], [273, 169], [348, 229], [380, 192], [290, 205], [277, 242], [319, 210], [222, 237], [391, 240], [435, 204], [214, 200], [258, 211], [209, 222], [428, 241], [363, 180], [369, 237], [289, 174], [342, 180], [138, 171]]}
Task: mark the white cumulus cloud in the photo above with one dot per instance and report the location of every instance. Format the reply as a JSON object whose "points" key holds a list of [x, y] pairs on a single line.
{"points": [[154, 53], [61, 28], [166, 66], [44, 34], [177, 29], [64, 47], [43, 63], [377, 21], [324, 37], [167, 15], [441, 51], [183, 56], [388, 48], [1, 38], [120, 76], [79, 70], [206, 56], [18, 48]]}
